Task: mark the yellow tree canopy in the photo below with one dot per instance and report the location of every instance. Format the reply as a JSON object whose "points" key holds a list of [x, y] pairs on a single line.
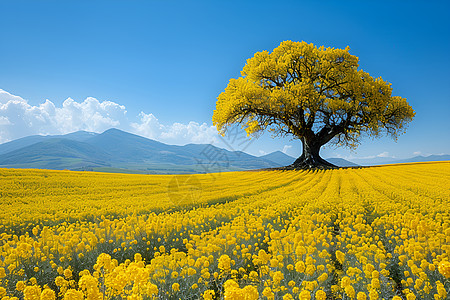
{"points": [[314, 93]]}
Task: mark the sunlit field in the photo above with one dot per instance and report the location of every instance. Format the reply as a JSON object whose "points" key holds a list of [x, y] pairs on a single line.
{"points": [[369, 233]]}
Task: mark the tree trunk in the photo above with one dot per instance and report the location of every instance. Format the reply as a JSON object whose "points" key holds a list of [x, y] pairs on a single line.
{"points": [[310, 158]]}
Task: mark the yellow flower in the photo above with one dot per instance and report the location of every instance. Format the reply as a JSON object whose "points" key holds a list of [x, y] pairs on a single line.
{"points": [[375, 283], [444, 268], [250, 292], [48, 294], [340, 256], [60, 270], [304, 295], [232, 290], [67, 273], [288, 297], [345, 281], [267, 292], [300, 267], [72, 294], [410, 296], [321, 295], [253, 276], [175, 287], [419, 282], [152, 289], [206, 275], [224, 263], [322, 277], [60, 281], [103, 261], [277, 277], [137, 257], [208, 295], [20, 286], [373, 294], [191, 271], [274, 262], [230, 284], [442, 293], [310, 269], [350, 291], [32, 292], [361, 296]]}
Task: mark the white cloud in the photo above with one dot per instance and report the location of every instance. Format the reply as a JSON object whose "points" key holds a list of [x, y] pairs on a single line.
{"points": [[89, 115], [177, 133], [4, 121], [18, 119], [149, 126], [416, 153], [262, 152], [286, 148], [384, 154], [5, 97]]}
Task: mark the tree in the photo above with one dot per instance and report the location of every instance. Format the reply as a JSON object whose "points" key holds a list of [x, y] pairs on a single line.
{"points": [[316, 95]]}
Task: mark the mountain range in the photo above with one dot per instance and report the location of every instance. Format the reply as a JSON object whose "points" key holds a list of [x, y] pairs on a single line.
{"points": [[118, 151], [390, 160]]}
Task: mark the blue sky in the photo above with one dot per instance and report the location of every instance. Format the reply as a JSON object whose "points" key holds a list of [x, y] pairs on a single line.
{"points": [[156, 67]]}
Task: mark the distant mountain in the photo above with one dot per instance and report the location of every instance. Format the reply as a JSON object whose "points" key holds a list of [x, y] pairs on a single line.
{"points": [[421, 158], [56, 153], [389, 160], [130, 148], [340, 162], [118, 151], [33, 139], [20, 143], [279, 158], [80, 136], [372, 161], [127, 147]]}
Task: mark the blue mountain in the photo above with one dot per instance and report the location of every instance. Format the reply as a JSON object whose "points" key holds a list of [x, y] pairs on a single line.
{"points": [[118, 151]]}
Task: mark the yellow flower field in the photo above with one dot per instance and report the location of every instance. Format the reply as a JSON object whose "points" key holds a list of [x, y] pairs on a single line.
{"points": [[369, 233]]}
